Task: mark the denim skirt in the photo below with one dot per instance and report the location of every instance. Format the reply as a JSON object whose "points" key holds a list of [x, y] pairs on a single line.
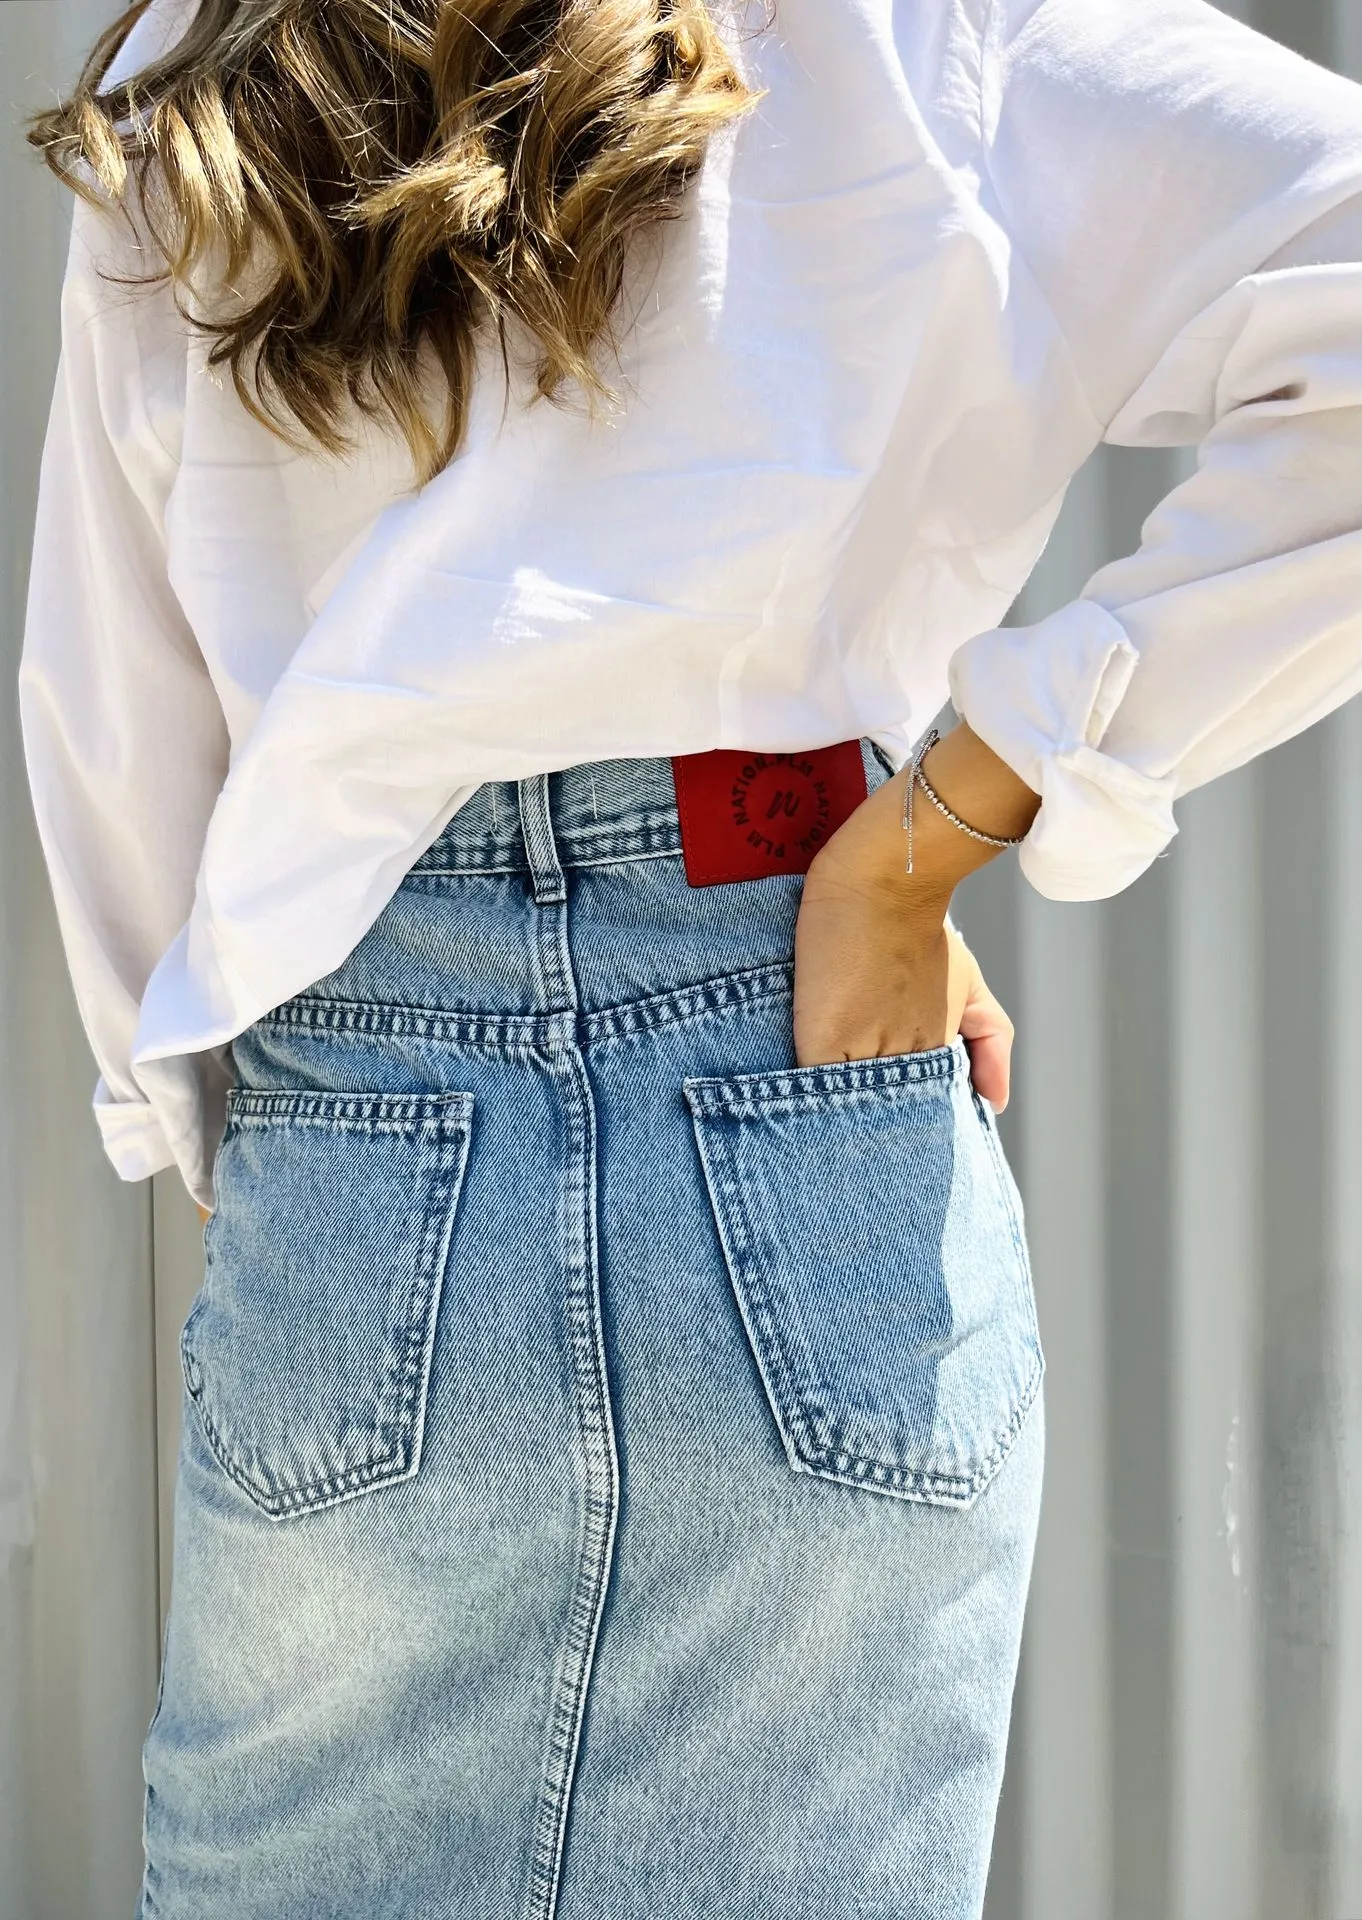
{"points": [[611, 1453]]}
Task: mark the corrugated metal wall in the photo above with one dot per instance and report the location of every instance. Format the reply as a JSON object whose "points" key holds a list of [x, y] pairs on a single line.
{"points": [[1188, 1739]]}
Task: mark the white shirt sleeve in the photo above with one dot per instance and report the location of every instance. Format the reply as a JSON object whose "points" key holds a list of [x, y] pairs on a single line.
{"points": [[1188, 195], [123, 732]]}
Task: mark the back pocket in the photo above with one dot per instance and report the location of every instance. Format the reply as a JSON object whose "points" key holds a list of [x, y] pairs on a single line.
{"points": [[873, 1234], [307, 1352]]}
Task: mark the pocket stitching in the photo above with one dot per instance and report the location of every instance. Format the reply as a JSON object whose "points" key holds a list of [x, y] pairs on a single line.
{"points": [[746, 1095], [262, 1107], [811, 1441], [448, 1116], [1003, 1175], [769, 1350]]}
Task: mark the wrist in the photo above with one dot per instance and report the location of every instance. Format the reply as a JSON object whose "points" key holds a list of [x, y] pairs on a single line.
{"points": [[869, 853], [869, 865], [979, 797]]}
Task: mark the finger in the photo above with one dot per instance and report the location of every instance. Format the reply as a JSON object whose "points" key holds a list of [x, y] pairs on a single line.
{"points": [[987, 1033]]}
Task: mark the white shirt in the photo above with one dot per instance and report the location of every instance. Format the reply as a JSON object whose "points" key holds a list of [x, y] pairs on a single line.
{"points": [[958, 244]]}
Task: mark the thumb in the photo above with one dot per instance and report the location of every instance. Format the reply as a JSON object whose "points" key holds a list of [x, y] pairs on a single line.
{"points": [[988, 1034]]}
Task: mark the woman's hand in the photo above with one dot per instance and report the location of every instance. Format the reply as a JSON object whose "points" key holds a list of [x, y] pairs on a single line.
{"points": [[877, 971], [205, 1214], [870, 981]]}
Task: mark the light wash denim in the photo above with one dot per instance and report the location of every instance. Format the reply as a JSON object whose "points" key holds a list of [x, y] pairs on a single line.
{"points": [[612, 1453]]}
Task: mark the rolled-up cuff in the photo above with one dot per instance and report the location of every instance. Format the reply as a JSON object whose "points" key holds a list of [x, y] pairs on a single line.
{"points": [[132, 1134], [1042, 697]]}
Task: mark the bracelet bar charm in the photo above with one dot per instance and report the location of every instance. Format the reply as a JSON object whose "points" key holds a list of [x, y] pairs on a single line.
{"points": [[917, 778]]}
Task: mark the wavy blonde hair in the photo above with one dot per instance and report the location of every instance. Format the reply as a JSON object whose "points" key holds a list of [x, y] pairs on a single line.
{"points": [[397, 175]]}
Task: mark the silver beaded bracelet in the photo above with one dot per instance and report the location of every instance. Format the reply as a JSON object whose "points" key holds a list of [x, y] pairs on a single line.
{"points": [[917, 778]]}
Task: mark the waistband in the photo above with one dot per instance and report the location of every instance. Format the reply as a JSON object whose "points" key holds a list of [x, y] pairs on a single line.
{"points": [[600, 813]]}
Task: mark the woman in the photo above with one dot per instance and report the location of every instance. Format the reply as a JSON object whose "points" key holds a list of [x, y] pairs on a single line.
{"points": [[474, 749]]}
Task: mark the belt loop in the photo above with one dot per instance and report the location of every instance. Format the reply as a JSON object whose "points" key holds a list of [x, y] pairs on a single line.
{"points": [[536, 826]]}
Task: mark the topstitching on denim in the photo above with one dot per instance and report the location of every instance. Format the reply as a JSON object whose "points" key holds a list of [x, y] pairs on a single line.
{"points": [[599, 1457], [744, 1132], [427, 1136], [627, 817], [601, 850], [523, 1034]]}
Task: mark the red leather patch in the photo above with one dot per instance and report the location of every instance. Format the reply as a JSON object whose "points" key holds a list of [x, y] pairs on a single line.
{"points": [[747, 815]]}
